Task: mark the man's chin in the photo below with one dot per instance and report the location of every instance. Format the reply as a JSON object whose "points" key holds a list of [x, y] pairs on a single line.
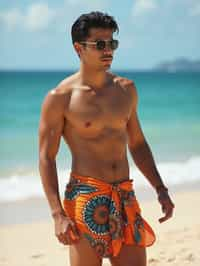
{"points": [[107, 65]]}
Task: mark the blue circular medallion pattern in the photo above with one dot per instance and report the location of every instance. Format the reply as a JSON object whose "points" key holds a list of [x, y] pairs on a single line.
{"points": [[96, 214], [100, 247]]}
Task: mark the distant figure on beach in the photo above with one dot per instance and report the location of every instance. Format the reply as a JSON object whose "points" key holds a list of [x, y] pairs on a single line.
{"points": [[95, 111]]}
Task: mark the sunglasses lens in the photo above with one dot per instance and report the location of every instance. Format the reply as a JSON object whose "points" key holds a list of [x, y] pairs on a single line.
{"points": [[114, 44], [101, 45]]}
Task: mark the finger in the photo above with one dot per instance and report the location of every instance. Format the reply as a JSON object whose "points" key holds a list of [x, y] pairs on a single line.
{"points": [[68, 235], [64, 238], [167, 216], [64, 242], [172, 204], [167, 205], [73, 236], [74, 232]]}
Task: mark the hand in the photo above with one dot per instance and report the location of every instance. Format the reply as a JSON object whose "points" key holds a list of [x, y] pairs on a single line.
{"points": [[65, 229], [166, 204]]}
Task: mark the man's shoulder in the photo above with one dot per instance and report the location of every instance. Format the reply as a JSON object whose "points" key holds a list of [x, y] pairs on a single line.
{"points": [[60, 95], [67, 85], [125, 83], [56, 98], [64, 87]]}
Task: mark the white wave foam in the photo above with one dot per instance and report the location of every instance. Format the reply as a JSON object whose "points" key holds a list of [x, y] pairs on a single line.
{"points": [[174, 173], [19, 187]]}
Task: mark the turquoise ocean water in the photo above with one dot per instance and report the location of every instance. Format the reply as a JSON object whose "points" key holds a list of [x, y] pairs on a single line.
{"points": [[169, 113]]}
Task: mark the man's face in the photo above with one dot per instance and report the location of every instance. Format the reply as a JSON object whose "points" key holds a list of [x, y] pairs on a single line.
{"points": [[91, 56]]}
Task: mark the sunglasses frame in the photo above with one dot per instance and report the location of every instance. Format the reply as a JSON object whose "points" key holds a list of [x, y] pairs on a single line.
{"points": [[104, 42]]}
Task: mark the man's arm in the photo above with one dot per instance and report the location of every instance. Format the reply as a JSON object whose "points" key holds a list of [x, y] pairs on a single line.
{"points": [[143, 158], [139, 148], [50, 132]]}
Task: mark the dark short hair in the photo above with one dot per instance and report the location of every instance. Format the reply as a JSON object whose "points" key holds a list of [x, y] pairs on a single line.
{"points": [[80, 28]]}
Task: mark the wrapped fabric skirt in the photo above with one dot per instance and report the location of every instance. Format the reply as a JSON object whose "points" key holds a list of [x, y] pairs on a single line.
{"points": [[108, 215]]}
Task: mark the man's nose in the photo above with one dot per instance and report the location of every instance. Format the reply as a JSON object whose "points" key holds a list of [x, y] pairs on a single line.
{"points": [[107, 47], [107, 51]]}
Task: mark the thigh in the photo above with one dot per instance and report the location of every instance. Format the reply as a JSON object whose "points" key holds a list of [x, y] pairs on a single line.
{"points": [[82, 254], [130, 255]]}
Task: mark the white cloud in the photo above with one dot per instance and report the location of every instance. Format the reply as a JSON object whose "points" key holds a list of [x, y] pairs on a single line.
{"points": [[87, 4], [195, 10], [165, 16], [73, 2], [40, 16], [37, 16], [11, 17], [141, 7]]}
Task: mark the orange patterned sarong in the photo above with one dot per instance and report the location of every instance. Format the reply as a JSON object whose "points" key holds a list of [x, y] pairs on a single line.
{"points": [[108, 215]]}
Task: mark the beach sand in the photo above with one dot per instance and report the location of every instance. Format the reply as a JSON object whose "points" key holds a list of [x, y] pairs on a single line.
{"points": [[34, 244]]}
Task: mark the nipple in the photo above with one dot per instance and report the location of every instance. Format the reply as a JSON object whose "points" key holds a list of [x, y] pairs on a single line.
{"points": [[87, 124]]}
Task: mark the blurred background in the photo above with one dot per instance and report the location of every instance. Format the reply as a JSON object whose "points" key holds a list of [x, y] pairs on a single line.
{"points": [[159, 51]]}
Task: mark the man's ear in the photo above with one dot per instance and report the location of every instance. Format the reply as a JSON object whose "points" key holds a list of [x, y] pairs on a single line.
{"points": [[78, 48]]}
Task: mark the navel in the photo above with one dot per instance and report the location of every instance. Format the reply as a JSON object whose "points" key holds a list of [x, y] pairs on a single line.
{"points": [[126, 120], [52, 132], [88, 124], [114, 166]]}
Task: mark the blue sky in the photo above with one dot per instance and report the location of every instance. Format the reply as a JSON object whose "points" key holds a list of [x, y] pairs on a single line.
{"points": [[36, 34]]}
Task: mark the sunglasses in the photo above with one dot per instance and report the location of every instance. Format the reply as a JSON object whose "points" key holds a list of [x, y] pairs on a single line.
{"points": [[101, 44]]}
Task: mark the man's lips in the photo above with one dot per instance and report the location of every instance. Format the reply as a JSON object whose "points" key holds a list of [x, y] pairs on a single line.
{"points": [[107, 58]]}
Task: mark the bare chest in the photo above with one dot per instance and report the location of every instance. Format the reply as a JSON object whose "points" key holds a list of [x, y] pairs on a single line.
{"points": [[90, 113]]}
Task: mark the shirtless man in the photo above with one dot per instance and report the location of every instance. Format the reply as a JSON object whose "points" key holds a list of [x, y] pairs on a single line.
{"points": [[95, 111]]}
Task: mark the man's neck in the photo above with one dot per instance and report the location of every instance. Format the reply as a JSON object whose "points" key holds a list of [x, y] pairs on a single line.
{"points": [[93, 78]]}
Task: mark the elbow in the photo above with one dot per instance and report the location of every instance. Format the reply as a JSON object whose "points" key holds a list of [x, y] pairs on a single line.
{"points": [[45, 163], [45, 158], [133, 147]]}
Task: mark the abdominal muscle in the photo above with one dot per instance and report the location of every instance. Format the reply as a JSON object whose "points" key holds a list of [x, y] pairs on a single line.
{"points": [[103, 157]]}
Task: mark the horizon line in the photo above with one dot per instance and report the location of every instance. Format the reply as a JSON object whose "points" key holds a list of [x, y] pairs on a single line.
{"points": [[112, 70]]}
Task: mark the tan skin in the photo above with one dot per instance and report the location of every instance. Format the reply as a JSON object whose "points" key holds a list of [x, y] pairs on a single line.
{"points": [[95, 112]]}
